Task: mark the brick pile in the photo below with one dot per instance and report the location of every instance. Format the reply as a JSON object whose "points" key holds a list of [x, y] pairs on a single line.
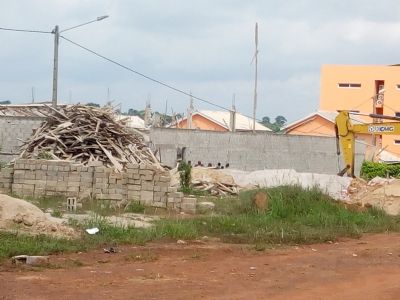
{"points": [[142, 183], [6, 175]]}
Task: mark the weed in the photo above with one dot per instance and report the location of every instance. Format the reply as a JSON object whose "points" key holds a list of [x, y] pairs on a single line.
{"points": [[294, 216], [57, 213], [135, 207], [185, 174]]}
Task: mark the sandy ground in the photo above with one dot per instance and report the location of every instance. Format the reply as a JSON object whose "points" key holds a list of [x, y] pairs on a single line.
{"points": [[22, 216], [368, 268]]}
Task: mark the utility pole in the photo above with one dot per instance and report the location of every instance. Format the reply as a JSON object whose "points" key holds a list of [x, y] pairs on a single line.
{"points": [[255, 79], [189, 113], [56, 32], [33, 94], [232, 118]]}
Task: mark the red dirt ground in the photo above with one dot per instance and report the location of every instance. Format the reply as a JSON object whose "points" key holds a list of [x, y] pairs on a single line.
{"points": [[368, 268]]}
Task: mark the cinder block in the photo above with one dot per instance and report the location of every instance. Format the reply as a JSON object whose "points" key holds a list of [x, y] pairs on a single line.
{"points": [[188, 200], [159, 204], [146, 197], [134, 187], [165, 179]]}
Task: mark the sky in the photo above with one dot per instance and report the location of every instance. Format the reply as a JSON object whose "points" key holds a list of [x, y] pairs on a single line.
{"points": [[200, 47]]}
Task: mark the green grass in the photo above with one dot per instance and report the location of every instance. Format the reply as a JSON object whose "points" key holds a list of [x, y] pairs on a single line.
{"points": [[294, 216]]}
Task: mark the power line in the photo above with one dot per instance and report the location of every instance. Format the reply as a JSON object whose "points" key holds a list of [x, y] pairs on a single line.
{"points": [[143, 75], [124, 67], [25, 30]]}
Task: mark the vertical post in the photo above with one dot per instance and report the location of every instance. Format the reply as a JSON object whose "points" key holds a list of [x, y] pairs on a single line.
{"points": [[55, 65], [190, 114], [232, 119], [255, 79]]}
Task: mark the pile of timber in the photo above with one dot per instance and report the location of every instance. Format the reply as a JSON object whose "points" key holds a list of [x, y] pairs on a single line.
{"points": [[86, 134], [215, 188]]}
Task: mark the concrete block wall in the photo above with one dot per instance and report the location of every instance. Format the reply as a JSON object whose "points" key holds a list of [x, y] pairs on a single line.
{"points": [[14, 130], [6, 177], [141, 183], [250, 152]]}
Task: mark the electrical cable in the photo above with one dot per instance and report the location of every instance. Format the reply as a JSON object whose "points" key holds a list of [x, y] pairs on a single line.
{"points": [[24, 30], [143, 75]]}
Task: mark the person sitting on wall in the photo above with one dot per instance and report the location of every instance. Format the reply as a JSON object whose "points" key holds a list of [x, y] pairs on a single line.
{"points": [[226, 165], [218, 166], [209, 165]]}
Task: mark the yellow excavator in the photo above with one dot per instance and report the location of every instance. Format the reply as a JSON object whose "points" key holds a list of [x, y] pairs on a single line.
{"points": [[346, 131]]}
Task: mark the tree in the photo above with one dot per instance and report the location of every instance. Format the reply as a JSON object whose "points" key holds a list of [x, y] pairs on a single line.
{"points": [[266, 120], [5, 102], [92, 104], [280, 121]]}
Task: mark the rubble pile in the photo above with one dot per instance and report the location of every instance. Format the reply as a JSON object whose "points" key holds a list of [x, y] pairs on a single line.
{"points": [[382, 193], [85, 134]]}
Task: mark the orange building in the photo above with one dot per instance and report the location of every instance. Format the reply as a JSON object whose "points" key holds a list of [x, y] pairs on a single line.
{"points": [[219, 121], [321, 123], [367, 89]]}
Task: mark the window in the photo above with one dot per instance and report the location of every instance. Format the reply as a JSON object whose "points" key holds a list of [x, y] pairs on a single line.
{"points": [[349, 85], [397, 86], [397, 114], [397, 142]]}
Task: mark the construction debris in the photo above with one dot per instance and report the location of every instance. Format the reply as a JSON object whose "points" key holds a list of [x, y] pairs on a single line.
{"points": [[215, 188], [211, 180], [87, 134]]}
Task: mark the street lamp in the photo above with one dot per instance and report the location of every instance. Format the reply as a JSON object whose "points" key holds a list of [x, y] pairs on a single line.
{"points": [[56, 33]]}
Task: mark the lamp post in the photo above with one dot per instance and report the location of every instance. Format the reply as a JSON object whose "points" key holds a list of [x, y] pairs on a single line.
{"points": [[56, 33]]}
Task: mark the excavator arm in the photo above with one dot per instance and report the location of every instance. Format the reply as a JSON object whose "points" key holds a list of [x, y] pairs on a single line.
{"points": [[346, 131]]}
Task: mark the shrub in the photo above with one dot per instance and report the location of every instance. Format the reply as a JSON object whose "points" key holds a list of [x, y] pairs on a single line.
{"points": [[370, 170], [185, 175]]}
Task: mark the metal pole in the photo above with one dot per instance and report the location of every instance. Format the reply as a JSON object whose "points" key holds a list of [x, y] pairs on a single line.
{"points": [[55, 65], [255, 80]]}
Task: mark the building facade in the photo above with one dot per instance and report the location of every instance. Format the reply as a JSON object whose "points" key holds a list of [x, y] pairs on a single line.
{"points": [[367, 89]]}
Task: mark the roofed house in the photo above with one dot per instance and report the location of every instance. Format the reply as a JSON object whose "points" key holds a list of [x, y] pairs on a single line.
{"points": [[219, 121], [132, 121], [321, 123]]}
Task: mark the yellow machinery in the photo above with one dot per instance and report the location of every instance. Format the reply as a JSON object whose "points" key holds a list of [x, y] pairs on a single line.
{"points": [[346, 131]]}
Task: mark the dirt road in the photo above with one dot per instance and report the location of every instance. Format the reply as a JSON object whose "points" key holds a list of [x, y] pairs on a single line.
{"points": [[368, 268]]}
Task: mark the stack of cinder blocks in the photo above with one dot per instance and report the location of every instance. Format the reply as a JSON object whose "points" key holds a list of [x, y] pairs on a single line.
{"points": [[6, 177], [142, 183], [49, 178]]}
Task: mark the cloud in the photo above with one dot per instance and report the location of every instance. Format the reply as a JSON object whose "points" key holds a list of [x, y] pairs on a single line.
{"points": [[199, 46]]}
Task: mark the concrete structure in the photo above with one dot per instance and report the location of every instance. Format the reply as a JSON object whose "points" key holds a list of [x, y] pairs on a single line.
{"points": [[142, 183], [132, 121], [368, 89], [13, 131], [219, 121], [247, 151]]}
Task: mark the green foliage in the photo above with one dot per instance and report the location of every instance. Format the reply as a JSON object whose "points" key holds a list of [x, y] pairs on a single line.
{"points": [[45, 155], [185, 175], [135, 207], [5, 102], [280, 122], [57, 213], [92, 104], [294, 216], [370, 170]]}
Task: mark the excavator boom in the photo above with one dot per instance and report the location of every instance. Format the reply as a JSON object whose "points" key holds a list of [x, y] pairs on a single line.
{"points": [[346, 131]]}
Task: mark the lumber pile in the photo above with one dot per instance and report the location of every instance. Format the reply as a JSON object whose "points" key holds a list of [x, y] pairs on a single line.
{"points": [[87, 134], [215, 188]]}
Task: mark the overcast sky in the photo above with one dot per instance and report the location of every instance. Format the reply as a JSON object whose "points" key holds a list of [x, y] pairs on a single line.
{"points": [[204, 47]]}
